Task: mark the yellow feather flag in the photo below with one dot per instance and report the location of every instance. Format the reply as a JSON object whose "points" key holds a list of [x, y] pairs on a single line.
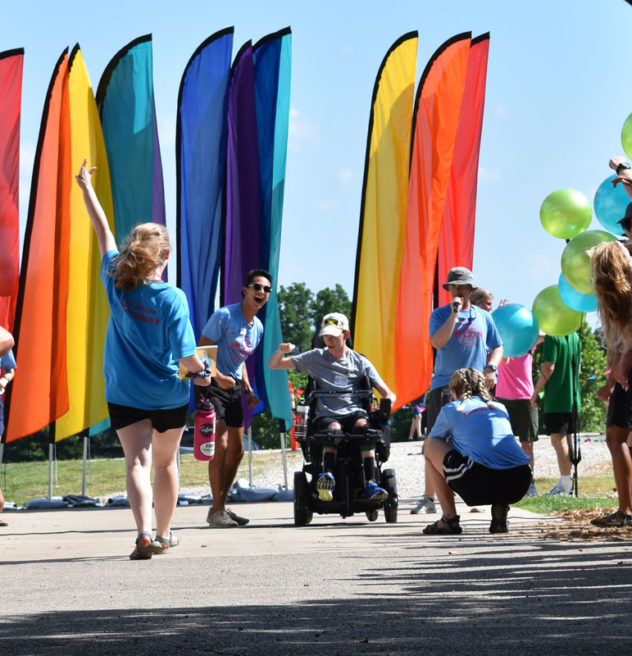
{"points": [[88, 311], [384, 203]]}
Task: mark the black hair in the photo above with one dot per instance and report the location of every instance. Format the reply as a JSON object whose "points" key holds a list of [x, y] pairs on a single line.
{"points": [[256, 273]]}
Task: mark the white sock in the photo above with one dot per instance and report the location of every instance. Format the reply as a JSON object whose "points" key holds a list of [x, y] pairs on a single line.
{"points": [[565, 482]]}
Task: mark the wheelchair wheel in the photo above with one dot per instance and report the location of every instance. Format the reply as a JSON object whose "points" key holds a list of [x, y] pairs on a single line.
{"points": [[302, 514], [389, 483], [372, 515]]}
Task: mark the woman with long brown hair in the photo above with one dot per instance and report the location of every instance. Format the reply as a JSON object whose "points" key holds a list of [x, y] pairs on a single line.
{"points": [[149, 334]]}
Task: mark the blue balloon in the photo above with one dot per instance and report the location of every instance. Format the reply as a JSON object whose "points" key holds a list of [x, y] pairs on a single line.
{"points": [[574, 299], [610, 203], [518, 329]]}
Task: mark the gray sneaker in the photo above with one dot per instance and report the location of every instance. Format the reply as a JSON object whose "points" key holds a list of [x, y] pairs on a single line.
{"points": [[559, 491], [425, 505], [532, 492], [242, 521], [220, 519]]}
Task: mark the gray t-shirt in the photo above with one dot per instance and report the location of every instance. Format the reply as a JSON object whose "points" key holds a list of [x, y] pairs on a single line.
{"points": [[345, 375]]}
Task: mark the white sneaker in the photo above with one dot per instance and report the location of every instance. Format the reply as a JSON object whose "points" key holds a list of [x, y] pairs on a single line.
{"points": [[220, 519], [425, 505], [559, 491]]}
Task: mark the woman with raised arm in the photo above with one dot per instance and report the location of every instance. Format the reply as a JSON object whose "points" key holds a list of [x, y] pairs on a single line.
{"points": [[149, 334]]}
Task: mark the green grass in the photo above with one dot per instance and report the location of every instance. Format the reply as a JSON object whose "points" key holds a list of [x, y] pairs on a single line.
{"points": [[29, 480], [593, 493]]}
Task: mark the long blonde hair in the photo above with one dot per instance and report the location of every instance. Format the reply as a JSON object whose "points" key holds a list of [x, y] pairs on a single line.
{"points": [[144, 250], [467, 383], [612, 279]]}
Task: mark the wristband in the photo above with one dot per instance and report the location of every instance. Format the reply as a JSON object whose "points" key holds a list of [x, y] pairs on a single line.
{"points": [[490, 367], [622, 167], [205, 373]]}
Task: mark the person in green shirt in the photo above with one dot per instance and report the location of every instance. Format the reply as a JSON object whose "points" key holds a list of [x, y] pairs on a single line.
{"points": [[559, 378]]}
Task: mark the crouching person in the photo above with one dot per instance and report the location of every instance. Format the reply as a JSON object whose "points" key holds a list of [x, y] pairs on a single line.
{"points": [[472, 451]]}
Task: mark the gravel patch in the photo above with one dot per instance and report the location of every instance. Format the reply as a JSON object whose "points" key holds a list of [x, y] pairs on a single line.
{"points": [[408, 463]]}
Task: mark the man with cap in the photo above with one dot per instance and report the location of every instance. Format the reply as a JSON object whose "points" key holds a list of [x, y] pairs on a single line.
{"points": [[464, 336], [337, 368]]}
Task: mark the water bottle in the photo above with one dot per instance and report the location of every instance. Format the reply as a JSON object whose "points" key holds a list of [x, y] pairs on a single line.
{"points": [[204, 434]]}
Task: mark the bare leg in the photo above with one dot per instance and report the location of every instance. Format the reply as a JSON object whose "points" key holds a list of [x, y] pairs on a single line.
{"points": [[216, 466], [166, 482], [136, 442], [435, 452], [616, 438], [559, 443], [527, 447], [234, 454]]}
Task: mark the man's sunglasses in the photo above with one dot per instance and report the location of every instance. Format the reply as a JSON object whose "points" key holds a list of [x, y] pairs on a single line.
{"points": [[626, 224], [331, 322], [257, 286]]}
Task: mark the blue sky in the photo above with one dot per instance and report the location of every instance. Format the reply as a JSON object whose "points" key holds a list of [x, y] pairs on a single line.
{"points": [[558, 92]]}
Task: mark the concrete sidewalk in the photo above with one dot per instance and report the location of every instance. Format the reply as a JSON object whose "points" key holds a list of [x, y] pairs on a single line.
{"points": [[334, 587]]}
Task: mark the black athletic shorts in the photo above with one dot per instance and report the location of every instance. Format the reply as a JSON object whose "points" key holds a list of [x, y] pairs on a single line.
{"points": [[523, 417], [559, 422], [478, 485], [435, 400], [347, 422], [227, 404], [162, 420], [620, 406]]}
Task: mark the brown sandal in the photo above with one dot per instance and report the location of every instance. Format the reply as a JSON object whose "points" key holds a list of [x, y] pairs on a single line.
{"points": [[450, 527]]}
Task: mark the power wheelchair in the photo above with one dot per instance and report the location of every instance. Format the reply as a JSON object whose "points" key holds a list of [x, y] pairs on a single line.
{"points": [[349, 471]]}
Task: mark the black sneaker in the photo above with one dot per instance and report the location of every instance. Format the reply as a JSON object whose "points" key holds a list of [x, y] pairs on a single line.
{"points": [[499, 518]]}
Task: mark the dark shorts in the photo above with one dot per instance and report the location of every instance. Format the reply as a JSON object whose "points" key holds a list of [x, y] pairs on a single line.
{"points": [[162, 420], [435, 400], [523, 417], [620, 407], [227, 404], [347, 423], [480, 485], [559, 422]]}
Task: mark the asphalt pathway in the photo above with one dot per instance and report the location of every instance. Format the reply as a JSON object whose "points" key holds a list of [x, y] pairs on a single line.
{"points": [[336, 587]]}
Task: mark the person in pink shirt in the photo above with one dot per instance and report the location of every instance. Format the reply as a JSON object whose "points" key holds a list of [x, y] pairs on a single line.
{"points": [[514, 390]]}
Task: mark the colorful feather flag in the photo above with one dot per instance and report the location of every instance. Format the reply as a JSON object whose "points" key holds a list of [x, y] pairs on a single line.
{"points": [[39, 395], [11, 63], [125, 98], [383, 214], [437, 112], [201, 173], [272, 58], [456, 242], [88, 311]]}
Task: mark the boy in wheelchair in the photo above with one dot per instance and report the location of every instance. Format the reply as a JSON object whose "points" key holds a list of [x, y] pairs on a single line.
{"points": [[339, 373]]}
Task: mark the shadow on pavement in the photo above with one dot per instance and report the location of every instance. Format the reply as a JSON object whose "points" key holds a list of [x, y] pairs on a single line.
{"points": [[525, 599]]}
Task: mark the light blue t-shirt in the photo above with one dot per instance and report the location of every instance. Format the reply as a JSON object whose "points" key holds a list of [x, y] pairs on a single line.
{"points": [[148, 332], [236, 339], [474, 335], [480, 432], [343, 376]]}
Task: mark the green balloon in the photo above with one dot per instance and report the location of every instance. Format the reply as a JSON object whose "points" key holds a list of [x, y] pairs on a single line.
{"points": [[554, 317], [565, 213], [576, 262], [626, 136]]}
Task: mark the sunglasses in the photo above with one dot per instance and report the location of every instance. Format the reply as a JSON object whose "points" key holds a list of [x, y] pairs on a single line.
{"points": [[331, 322], [626, 223], [257, 286]]}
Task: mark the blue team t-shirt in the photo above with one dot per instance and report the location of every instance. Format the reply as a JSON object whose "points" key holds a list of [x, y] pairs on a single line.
{"points": [[148, 332], [236, 339], [474, 335], [480, 432]]}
